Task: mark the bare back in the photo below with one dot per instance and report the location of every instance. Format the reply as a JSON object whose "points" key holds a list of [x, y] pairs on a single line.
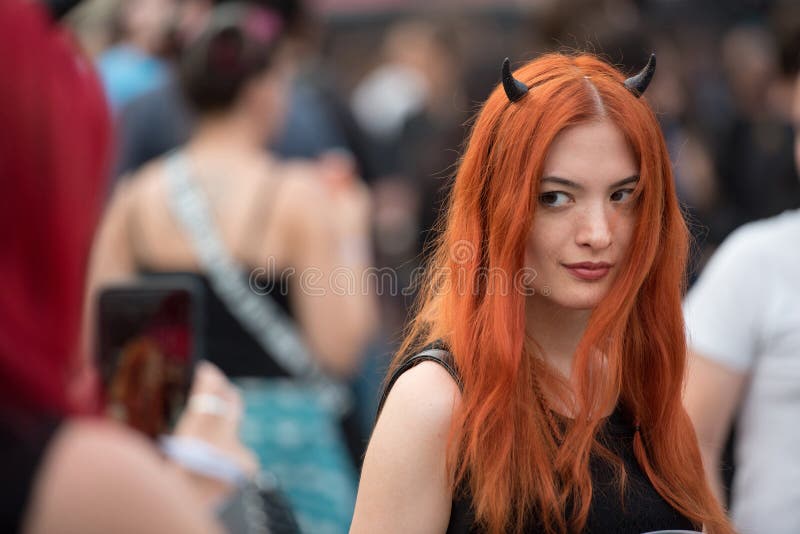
{"points": [[270, 215], [247, 199]]}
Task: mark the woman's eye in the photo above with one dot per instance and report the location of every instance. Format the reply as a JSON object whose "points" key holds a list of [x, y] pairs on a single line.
{"points": [[554, 198], [622, 195]]}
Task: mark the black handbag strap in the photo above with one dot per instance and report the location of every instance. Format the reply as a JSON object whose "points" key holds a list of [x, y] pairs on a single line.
{"points": [[440, 356]]}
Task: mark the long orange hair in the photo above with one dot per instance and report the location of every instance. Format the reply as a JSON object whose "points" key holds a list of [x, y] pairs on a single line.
{"points": [[502, 444]]}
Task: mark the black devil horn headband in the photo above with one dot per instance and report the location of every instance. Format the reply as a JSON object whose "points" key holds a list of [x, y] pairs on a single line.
{"points": [[637, 84], [515, 89]]}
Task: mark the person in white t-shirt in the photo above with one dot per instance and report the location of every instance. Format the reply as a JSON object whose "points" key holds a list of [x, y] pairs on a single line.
{"points": [[743, 322]]}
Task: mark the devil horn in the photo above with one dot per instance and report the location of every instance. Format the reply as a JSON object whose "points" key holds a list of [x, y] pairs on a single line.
{"points": [[638, 84], [514, 88]]}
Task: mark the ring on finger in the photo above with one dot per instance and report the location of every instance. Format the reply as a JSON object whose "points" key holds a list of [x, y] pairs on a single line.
{"points": [[209, 404]]}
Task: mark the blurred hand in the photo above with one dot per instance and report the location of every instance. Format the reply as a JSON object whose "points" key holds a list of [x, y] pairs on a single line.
{"points": [[351, 201], [218, 428]]}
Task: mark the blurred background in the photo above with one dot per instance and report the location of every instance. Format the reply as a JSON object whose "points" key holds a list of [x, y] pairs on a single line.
{"points": [[367, 103], [396, 83]]}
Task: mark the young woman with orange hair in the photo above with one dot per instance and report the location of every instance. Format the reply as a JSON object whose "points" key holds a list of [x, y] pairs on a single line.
{"points": [[539, 386]]}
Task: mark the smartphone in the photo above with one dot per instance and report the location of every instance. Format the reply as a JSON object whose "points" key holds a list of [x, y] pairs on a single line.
{"points": [[148, 341]]}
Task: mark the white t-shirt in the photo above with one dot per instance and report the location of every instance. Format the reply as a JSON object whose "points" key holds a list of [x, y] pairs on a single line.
{"points": [[744, 313]]}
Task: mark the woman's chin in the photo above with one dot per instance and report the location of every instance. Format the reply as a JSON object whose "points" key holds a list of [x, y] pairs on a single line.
{"points": [[583, 300]]}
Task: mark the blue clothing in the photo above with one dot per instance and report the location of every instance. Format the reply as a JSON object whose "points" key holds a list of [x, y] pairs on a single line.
{"points": [[127, 73]]}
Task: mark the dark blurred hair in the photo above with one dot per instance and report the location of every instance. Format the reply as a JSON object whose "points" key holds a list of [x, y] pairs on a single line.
{"points": [[54, 159], [294, 13], [237, 45]]}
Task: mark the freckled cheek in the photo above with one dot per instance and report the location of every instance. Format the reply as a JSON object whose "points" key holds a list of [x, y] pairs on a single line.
{"points": [[533, 248], [621, 219], [548, 243], [622, 225]]}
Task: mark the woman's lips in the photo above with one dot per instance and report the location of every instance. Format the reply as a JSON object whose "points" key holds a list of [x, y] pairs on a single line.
{"points": [[588, 270]]}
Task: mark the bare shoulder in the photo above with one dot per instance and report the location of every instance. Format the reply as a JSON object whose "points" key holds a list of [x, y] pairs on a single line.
{"points": [[417, 415], [426, 395], [301, 208], [301, 184], [100, 477], [138, 187], [146, 181], [405, 485]]}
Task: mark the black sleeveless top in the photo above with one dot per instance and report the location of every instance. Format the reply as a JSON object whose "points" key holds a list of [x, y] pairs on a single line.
{"points": [[641, 509], [226, 343], [23, 443]]}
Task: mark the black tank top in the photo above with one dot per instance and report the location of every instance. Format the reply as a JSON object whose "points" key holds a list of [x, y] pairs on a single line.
{"points": [[227, 344], [642, 508]]}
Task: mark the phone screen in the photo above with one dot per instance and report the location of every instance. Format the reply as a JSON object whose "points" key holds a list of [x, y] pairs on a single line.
{"points": [[148, 343]]}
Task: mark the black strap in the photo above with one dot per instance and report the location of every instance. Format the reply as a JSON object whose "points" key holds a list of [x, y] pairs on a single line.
{"points": [[440, 356]]}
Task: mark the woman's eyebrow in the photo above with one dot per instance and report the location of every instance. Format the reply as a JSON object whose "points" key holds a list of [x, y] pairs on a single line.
{"points": [[629, 180], [561, 181], [574, 185]]}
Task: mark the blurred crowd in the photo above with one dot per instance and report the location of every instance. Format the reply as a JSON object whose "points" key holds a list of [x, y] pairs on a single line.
{"points": [[374, 100], [723, 96]]}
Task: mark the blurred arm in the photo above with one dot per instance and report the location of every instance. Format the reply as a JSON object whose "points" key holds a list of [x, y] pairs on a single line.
{"points": [[98, 478], [711, 398], [111, 259], [335, 307]]}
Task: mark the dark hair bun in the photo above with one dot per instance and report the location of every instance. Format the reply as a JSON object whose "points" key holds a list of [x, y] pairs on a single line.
{"points": [[237, 45]]}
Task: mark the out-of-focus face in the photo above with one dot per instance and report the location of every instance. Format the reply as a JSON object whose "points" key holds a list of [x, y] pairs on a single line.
{"points": [[190, 19], [148, 21], [585, 216]]}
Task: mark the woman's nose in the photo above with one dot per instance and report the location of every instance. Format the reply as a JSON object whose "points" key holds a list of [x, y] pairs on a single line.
{"points": [[594, 228]]}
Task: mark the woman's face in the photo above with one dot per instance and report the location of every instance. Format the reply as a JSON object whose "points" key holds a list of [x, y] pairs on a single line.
{"points": [[585, 216]]}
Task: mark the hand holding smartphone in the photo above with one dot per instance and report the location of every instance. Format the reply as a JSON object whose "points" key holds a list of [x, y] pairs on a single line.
{"points": [[149, 339], [150, 359]]}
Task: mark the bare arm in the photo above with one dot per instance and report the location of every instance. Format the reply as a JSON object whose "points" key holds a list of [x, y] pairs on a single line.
{"points": [[111, 259], [405, 486], [711, 397], [335, 307], [99, 478]]}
